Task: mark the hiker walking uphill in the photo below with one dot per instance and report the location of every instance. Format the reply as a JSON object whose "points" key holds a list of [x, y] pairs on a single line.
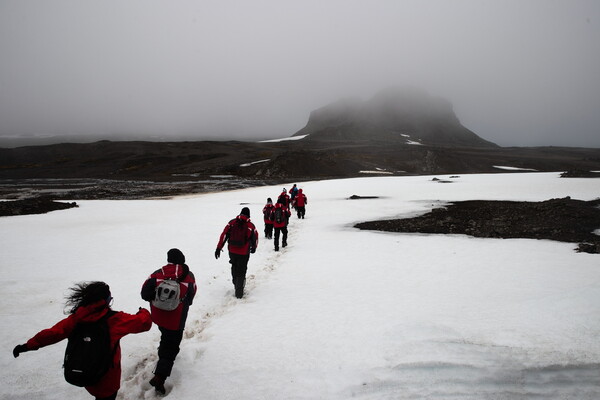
{"points": [[93, 354], [170, 291], [293, 193], [300, 202], [284, 199], [281, 215], [267, 212], [242, 238]]}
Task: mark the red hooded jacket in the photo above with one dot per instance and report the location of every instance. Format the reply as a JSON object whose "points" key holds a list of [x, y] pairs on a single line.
{"points": [[300, 200], [119, 325], [172, 320], [286, 216], [251, 235], [285, 198], [267, 210]]}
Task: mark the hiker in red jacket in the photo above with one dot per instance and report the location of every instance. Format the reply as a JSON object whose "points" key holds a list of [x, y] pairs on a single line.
{"points": [[300, 202], [170, 322], [281, 214], [90, 302], [284, 198], [241, 234], [267, 213]]}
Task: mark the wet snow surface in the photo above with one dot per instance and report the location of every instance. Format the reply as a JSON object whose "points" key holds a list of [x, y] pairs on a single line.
{"points": [[340, 313]]}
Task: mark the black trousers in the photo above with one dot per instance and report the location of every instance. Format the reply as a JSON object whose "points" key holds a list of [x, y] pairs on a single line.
{"points": [[301, 211], [167, 351], [239, 266], [279, 231], [268, 231]]}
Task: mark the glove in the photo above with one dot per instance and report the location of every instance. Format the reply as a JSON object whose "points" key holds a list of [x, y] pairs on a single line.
{"points": [[217, 253], [21, 348], [252, 251]]}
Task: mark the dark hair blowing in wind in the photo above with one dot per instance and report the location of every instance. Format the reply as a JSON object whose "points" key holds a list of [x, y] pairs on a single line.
{"points": [[86, 293]]}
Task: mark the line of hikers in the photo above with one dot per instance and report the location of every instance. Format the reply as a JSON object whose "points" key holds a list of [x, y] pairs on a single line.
{"points": [[241, 235], [277, 216], [93, 354]]}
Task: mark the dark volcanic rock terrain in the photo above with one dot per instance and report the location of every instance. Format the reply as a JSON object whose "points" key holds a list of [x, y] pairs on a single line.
{"points": [[565, 220], [148, 169], [397, 132]]}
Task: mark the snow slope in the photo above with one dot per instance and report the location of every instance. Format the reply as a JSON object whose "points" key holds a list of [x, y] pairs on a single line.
{"points": [[340, 313]]}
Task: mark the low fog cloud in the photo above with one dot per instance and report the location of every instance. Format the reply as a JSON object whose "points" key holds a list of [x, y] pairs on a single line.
{"points": [[519, 73]]}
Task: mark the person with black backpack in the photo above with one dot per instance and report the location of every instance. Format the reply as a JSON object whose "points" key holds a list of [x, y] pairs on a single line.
{"points": [[284, 198], [242, 238], [267, 214], [93, 354], [300, 202], [281, 215], [170, 291]]}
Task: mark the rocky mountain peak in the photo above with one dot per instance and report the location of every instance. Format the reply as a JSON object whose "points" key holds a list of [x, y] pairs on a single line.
{"points": [[405, 114]]}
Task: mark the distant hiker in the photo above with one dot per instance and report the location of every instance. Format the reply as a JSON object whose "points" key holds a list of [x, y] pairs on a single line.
{"points": [[293, 193], [300, 202], [267, 213], [241, 234], [170, 291], [280, 222], [93, 354], [284, 199]]}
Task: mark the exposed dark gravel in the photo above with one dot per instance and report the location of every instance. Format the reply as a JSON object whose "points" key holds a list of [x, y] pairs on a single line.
{"points": [[565, 220], [39, 205]]}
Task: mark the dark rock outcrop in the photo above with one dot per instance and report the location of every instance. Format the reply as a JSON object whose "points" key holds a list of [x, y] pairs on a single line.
{"points": [[565, 220]]}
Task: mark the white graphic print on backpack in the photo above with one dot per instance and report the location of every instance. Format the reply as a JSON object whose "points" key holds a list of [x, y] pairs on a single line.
{"points": [[167, 295], [88, 355]]}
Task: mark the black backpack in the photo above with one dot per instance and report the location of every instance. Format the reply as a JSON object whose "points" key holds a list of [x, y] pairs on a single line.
{"points": [[89, 355], [238, 233], [278, 215]]}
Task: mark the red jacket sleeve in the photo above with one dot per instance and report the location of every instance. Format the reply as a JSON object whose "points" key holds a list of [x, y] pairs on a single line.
{"points": [[49, 336], [223, 237], [123, 324], [254, 238]]}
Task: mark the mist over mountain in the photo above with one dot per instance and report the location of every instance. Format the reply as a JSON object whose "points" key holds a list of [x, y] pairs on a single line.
{"points": [[406, 115]]}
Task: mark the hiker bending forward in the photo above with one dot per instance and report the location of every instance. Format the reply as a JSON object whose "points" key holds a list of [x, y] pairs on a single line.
{"points": [[171, 322], [243, 240], [90, 302]]}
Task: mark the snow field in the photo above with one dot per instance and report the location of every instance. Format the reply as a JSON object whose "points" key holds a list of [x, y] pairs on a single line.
{"points": [[339, 313]]}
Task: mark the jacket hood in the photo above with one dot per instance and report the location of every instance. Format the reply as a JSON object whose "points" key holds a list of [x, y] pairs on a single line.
{"points": [[174, 271], [243, 218], [92, 312]]}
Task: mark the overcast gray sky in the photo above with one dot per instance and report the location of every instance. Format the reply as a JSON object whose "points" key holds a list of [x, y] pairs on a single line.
{"points": [[519, 72]]}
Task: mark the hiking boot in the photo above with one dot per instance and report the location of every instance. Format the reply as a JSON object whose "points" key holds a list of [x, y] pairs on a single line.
{"points": [[239, 288], [276, 248], [159, 384], [284, 244]]}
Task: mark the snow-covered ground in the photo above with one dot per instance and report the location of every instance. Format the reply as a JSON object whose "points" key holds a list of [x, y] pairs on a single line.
{"points": [[340, 313]]}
